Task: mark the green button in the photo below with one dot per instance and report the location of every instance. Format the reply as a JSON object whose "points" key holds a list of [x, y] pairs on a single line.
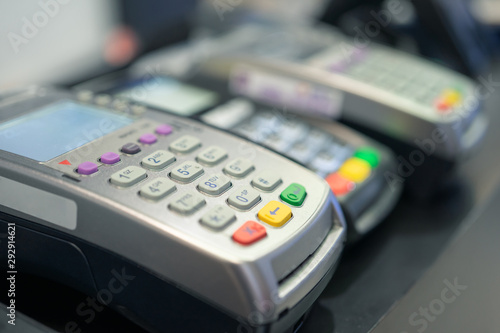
{"points": [[294, 194], [459, 88], [370, 155]]}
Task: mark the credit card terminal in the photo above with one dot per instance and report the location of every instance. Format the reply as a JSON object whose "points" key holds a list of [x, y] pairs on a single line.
{"points": [[397, 97], [171, 222], [354, 166]]}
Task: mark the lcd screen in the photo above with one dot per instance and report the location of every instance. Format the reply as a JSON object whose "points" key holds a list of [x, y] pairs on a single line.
{"points": [[171, 95], [57, 129]]}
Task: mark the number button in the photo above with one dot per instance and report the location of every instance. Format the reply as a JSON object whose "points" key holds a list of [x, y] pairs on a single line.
{"points": [[218, 217], [244, 198], [278, 142], [212, 155], [128, 176], [301, 152], [317, 138], [158, 160], [214, 185], [187, 203], [185, 144], [266, 180], [239, 167], [186, 172], [325, 162], [294, 130], [157, 189]]}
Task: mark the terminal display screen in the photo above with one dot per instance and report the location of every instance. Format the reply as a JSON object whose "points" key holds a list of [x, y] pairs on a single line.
{"points": [[171, 95], [57, 129]]}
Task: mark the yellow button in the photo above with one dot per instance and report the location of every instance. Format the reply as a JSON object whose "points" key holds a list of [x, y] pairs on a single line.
{"points": [[451, 97], [355, 169], [275, 213]]}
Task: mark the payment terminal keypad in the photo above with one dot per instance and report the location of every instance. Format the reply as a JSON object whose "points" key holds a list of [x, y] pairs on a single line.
{"points": [[339, 162], [180, 172], [419, 82]]}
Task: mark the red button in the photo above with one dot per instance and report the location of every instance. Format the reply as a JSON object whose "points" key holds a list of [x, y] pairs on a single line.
{"points": [[443, 106], [339, 184], [249, 233]]}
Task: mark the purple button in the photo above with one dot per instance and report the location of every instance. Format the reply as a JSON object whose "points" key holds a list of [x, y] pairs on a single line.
{"points": [[131, 148], [110, 158], [148, 138], [359, 54], [338, 67], [164, 129], [87, 168]]}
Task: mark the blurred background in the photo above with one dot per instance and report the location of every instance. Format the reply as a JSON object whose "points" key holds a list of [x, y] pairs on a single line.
{"points": [[67, 41]]}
